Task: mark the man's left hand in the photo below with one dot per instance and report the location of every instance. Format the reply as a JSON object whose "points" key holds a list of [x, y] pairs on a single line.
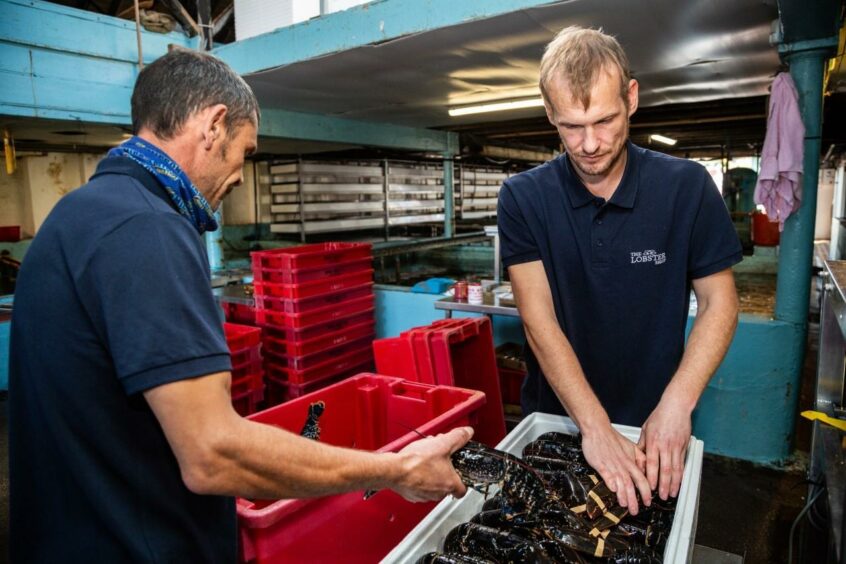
{"points": [[664, 439]]}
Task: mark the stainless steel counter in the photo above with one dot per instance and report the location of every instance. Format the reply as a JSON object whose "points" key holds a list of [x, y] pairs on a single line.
{"points": [[492, 305], [828, 456]]}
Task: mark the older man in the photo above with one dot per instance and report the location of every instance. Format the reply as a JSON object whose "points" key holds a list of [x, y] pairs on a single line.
{"points": [[124, 444], [603, 245]]}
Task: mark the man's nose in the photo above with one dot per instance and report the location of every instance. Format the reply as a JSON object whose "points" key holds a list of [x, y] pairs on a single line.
{"points": [[590, 142]]}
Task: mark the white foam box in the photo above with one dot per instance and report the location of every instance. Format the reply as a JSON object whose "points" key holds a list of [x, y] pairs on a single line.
{"points": [[429, 534]]}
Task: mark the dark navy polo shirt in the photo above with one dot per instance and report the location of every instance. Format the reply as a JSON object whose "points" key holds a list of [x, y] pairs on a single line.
{"points": [[620, 271], [113, 299]]}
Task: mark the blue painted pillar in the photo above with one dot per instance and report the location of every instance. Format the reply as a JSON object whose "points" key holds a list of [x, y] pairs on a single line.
{"points": [[214, 242], [806, 60], [449, 195]]}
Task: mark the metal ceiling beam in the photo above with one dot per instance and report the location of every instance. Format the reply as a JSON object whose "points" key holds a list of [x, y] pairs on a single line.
{"points": [[312, 127], [375, 22]]}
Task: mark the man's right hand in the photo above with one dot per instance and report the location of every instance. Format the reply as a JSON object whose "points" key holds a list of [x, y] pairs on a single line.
{"points": [[620, 464], [427, 471]]}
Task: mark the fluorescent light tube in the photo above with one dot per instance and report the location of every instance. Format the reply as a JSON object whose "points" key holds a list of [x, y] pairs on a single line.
{"points": [[496, 107], [662, 139]]}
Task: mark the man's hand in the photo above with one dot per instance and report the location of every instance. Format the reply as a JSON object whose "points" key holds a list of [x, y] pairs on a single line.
{"points": [[664, 437], [619, 463], [428, 474]]}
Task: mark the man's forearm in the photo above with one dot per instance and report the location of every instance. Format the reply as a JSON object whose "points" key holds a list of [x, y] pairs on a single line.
{"points": [[261, 461], [565, 375], [712, 332]]}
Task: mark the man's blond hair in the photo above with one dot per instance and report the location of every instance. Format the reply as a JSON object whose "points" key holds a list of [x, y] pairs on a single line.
{"points": [[579, 55]]}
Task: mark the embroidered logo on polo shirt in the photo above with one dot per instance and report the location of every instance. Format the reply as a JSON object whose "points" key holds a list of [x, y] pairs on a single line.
{"points": [[649, 255]]}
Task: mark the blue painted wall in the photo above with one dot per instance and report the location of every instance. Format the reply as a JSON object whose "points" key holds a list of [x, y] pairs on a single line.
{"points": [[747, 410], [5, 325]]}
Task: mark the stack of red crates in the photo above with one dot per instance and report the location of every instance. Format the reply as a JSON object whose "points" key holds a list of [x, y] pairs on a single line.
{"points": [[247, 389], [450, 352], [315, 306]]}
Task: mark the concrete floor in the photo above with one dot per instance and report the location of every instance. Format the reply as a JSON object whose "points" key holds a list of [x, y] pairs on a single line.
{"points": [[744, 509]]}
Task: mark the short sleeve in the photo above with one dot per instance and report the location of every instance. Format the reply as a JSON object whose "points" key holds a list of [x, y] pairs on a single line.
{"points": [[149, 293], [714, 245], [516, 243]]}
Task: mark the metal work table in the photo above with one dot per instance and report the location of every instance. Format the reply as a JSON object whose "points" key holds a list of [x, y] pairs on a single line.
{"points": [[491, 306], [828, 456], [234, 293]]}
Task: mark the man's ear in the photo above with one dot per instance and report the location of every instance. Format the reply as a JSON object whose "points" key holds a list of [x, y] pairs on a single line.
{"points": [[632, 96], [214, 127]]}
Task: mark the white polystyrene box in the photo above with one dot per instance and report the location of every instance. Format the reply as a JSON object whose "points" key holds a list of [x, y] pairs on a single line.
{"points": [[428, 535]]}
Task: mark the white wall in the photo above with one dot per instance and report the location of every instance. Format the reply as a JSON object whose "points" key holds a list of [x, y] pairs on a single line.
{"points": [[47, 179], [28, 196], [11, 197], [239, 207], [825, 201]]}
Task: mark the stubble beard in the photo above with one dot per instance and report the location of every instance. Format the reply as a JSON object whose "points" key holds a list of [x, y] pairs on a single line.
{"points": [[596, 171], [601, 169]]}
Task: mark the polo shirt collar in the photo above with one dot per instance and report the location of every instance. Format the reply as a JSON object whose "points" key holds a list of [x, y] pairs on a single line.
{"points": [[625, 194], [128, 167]]}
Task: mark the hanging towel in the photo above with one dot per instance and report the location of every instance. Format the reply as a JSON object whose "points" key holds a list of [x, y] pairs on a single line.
{"points": [[779, 187]]}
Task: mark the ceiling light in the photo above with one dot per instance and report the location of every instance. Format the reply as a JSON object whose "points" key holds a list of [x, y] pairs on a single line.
{"points": [[661, 139], [496, 107]]}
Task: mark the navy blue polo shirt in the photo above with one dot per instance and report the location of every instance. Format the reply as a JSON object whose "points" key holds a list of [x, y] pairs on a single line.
{"points": [[113, 299], [620, 271]]}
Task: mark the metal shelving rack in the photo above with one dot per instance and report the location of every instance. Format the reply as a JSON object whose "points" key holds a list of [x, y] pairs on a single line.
{"points": [[478, 190], [309, 197]]}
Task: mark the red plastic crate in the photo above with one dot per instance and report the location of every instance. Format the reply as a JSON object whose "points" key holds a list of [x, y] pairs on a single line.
{"points": [[451, 352], [315, 288], [275, 341], [465, 356], [248, 368], [245, 356], [395, 356], [248, 382], [235, 312], [287, 276], [326, 369], [240, 337], [318, 330], [269, 317], [367, 412], [281, 392], [310, 256], [510, 384], [309, 361], [310, 304], [10, 233], [248, 403]]}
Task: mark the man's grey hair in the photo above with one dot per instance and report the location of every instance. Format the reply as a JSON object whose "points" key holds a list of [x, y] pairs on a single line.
{"points": [[177, 85]]}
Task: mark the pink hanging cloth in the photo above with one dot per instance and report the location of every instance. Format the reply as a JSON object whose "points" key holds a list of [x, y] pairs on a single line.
{"points": [[779, 187]]}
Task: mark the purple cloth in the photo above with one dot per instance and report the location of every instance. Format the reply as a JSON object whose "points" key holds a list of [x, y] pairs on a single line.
{"points": [[779, 187]]}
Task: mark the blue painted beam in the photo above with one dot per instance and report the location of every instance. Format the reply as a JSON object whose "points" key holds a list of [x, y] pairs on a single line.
{"points": [[34, 23], [62, 63], [297, 125], [376, 22]]}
